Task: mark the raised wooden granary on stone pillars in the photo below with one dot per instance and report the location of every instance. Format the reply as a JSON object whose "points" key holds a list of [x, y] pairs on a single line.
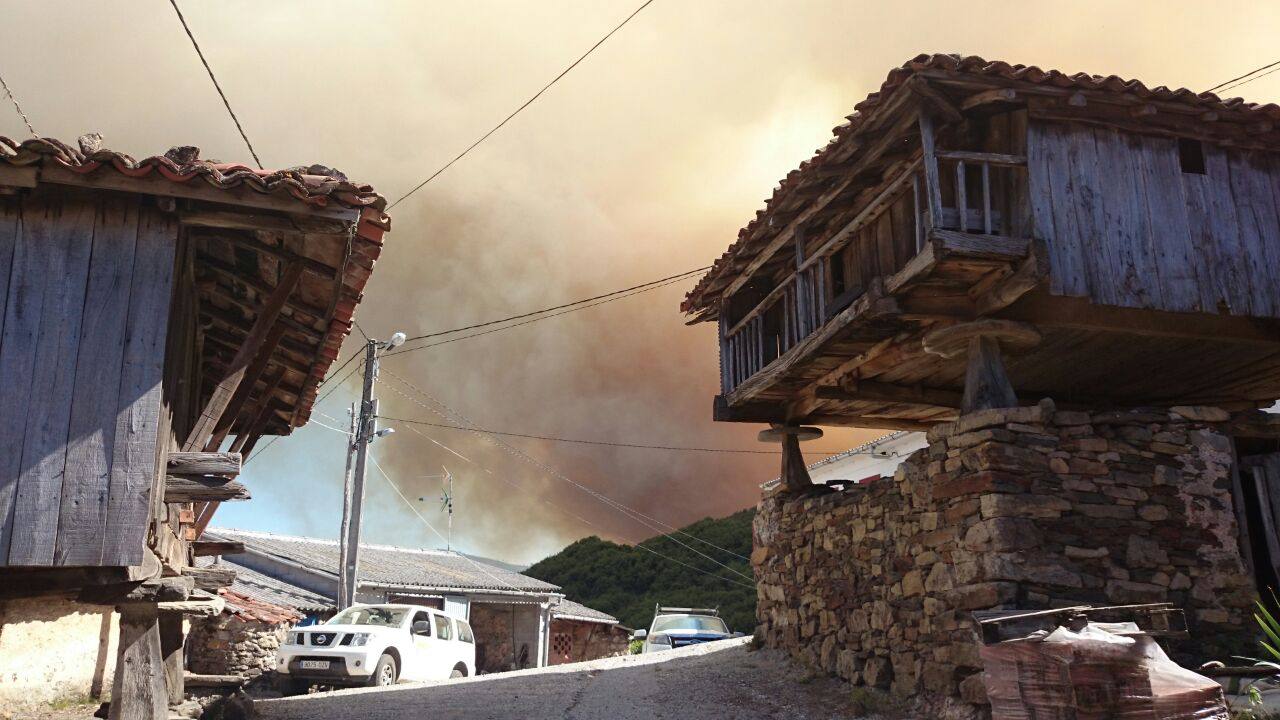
{"points": [[1072, 282], [160, 317]]}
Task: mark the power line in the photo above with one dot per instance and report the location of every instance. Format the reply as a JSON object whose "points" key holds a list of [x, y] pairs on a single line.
{"points": [[636, 515], [575, 516], [571, 307], [604, 443], [359, 329], [1242, 77], [677, 276], [526, 104], [216, 85], [18, 107]]}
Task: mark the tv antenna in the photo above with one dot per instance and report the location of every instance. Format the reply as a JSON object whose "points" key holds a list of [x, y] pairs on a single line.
{"points": [[446, 502]]}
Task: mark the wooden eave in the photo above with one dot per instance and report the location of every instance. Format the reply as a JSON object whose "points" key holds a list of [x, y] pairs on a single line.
{"points": [[242, 239]]}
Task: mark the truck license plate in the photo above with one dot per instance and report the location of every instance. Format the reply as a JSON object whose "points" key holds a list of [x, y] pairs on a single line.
{"points": [[314, 664]]}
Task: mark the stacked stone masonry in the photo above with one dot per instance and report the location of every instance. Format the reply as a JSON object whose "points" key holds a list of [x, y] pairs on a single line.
{"points": [[230, 645], [1024, 508]]}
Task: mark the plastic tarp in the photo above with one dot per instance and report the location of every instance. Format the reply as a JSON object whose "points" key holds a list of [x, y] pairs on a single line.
{"points": [[1102, 672]]}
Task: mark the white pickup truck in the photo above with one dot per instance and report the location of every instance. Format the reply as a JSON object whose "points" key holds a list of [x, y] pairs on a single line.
{"points": [[376, 645]]}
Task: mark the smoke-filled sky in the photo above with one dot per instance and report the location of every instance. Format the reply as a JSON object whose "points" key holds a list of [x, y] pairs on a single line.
{"points": [[641, 163]]}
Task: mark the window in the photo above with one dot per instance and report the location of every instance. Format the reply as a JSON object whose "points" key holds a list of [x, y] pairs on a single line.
{"points": [[562, 645], [370, 615], [422, 617], [444, 628], [693, 623], [1191, 156], [464, 633]]}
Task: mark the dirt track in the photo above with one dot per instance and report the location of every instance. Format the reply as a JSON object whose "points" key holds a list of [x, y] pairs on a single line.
{"points": [[717, 681]]}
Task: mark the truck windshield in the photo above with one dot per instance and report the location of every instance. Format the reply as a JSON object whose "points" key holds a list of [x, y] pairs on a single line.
{"points": [[690, 623], [386, 617]]}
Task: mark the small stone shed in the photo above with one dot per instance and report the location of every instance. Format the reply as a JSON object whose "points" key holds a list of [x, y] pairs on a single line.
{"points": [[581, 633], [243, 638]]}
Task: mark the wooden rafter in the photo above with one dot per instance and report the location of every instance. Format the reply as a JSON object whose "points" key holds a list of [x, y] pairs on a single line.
{"points": [[222, 393], [245, 388]]}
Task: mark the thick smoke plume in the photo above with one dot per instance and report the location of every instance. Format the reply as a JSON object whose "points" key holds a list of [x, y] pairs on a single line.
{"points": [[643, 162]]}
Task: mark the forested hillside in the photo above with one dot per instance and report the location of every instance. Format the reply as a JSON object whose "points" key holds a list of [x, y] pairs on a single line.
{"points": [[627, 580]]}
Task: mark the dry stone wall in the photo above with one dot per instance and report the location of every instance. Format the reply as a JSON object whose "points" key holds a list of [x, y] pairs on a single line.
{"points": [[1022, 508], [230, 645]]}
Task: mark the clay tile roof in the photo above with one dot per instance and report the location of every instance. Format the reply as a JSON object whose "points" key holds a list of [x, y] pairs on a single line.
{"points": [[702, 299], [314, 185]]}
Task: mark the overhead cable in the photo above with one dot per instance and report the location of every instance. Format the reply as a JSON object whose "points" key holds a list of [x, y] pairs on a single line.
{"points": [[654, 524], [611, 297], [526, 104], [18, 107], [216, 85], [501, 477], [1251, 75], [578, 441]]}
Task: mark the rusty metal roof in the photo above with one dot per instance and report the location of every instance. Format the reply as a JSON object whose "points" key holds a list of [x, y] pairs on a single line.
{"points": [[808, 178]]}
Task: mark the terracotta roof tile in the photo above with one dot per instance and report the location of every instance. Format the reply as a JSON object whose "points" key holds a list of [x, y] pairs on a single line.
{"points": [[315, 185]]}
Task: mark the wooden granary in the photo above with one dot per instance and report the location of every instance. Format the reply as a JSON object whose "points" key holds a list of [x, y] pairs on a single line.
{"points": [[982, 234], [159, 317]]}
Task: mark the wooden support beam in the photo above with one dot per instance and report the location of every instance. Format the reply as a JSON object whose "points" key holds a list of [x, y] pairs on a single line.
{"points": [[221, 396], [171, 641], [211, 579], [986, 383], [223, 464], [210, 548], [138, 690], [940, 104], [1073, 313], [250, 379], [23, 176], [155, 184], [1026, 278], [205, 261], [996, 96], [795, 475], [205, 606], [871, 391], [209, 488], [248, 220], [163, 589]]}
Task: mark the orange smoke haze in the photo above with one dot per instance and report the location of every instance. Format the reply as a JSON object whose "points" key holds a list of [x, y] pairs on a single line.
{"points": [[641, 163]]}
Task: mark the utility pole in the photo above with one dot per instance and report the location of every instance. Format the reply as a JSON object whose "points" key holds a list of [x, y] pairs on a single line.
{"points": [[343, 592], [353, 511]]}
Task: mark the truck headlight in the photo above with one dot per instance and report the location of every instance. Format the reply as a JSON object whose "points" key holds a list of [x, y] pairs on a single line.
{"points": [[293, 638], [360, 639]]}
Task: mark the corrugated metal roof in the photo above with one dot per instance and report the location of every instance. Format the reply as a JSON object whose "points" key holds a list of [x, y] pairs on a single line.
{"points": [[570, 610], [255, 586], [809, 178], [389, 565]]}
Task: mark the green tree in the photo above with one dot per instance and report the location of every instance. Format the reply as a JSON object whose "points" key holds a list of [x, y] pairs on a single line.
{"points": [[626, 581]]}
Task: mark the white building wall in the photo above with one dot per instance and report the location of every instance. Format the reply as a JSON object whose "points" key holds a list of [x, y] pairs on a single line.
{"points": [[54, 649], [878, 458]]}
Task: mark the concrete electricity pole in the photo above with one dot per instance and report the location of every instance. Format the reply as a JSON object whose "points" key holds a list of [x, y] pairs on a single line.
{"points": [[366, 429]]}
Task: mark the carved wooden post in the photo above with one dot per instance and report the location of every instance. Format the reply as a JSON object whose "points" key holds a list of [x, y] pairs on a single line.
{"points": [[986, 383], [171, 640], [795, 474], [138, 691]]}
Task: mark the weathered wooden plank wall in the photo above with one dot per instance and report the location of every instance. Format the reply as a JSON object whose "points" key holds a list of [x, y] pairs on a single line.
{"points": [[86, 300], [1126, 226]]}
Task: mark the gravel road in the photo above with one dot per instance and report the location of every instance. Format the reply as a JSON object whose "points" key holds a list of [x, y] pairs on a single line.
{"points": [[715, 681]]}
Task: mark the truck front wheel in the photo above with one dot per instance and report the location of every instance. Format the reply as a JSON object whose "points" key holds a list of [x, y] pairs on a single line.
{"points": [[384, 673]]}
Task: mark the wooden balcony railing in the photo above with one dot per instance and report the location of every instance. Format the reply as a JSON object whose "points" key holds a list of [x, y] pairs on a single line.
{"points": [[806, 299]]}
